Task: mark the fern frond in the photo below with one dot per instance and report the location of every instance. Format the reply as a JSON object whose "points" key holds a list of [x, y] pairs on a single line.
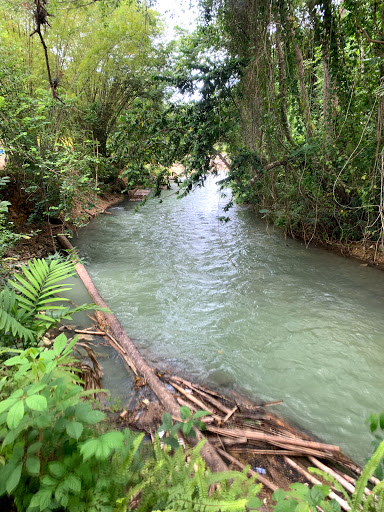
{"points": [[368, 471], [376, 496], [38, 284], [9, 324]]}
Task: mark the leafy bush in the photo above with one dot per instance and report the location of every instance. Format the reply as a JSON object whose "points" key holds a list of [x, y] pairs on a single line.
{"points": [[55, 453], [7, 236], [52, 455]]}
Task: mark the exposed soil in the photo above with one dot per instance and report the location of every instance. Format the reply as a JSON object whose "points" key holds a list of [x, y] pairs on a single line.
{"points": [[42, 241]]}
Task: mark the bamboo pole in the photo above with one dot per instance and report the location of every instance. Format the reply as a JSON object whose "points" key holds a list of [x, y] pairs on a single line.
{"points": [[343, 504], [342, 481], [221, 407], [261, 436], [231, 413]]}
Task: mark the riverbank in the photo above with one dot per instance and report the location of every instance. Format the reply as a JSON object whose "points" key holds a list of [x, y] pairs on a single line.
{"points": [[42, 237], [42, 241]]}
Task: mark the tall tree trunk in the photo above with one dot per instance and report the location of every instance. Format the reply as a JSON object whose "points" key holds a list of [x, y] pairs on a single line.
{"points": [[326, 97], [283, 88], [305, 106]]}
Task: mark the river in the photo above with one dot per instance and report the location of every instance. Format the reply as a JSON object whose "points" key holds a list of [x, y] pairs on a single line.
{"points": [[238, 306]]}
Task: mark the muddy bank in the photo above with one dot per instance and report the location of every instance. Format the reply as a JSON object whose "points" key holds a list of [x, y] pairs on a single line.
{"points": [[42, 241]]}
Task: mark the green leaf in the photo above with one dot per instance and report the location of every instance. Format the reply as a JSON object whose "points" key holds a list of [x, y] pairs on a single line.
{"points": [[185, 412], [41, 499], [176, 427], [48, 481], [93, 417], [200, 414], [34, 447], [382, 421], [167, 421], [172, 442], [187, 427], [59, 344], [14, 478], [317, 494], [72, 483], [36, 388], [32, 465], [15, 414], [5, 404], [89, 448], [74, 429], [36, 402], [373, 421], [57, 469], [254, 503], [285, 506], [102, 447]]}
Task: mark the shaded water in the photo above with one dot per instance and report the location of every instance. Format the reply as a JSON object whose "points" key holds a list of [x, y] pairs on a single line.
{"points": [[237, 305]]}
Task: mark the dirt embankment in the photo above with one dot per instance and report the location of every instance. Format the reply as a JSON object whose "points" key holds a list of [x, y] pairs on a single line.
{"points": [[42, 237]]}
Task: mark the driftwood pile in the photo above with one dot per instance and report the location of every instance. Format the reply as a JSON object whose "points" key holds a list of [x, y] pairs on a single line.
{"points": [[241, 430]]}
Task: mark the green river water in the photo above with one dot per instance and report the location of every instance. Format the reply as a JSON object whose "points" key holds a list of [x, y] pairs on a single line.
{"points": [[237, 306]]}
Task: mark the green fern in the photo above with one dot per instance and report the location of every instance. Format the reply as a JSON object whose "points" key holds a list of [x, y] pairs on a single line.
{"points": [[27, 315], [360, 502], [10, 316], [180, 481], [369, 469]]}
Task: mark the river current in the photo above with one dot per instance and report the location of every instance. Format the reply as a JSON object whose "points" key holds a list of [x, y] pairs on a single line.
{"points": [[236, 305]]}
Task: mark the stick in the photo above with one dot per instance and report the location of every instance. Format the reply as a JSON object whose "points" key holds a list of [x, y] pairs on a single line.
{"points": [[193, 399], [237, 463], [352, 481], [260, 436], [230, 414], [246, 449], [206, 419], [128, 360], [202, 388], [92, 333], [302, 449], [231, 442], [343, 504], [211, 400], [358, 470]]}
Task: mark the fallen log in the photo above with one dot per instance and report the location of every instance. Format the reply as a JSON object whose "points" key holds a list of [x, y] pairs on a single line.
{"points": [[166, 398]]}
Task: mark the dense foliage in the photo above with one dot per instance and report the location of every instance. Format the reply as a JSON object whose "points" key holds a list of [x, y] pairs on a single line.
{"points": [[67, 72], [310, 112]]}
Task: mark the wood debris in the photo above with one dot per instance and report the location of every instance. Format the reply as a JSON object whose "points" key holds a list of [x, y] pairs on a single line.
{"points": [[246, 432]]}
